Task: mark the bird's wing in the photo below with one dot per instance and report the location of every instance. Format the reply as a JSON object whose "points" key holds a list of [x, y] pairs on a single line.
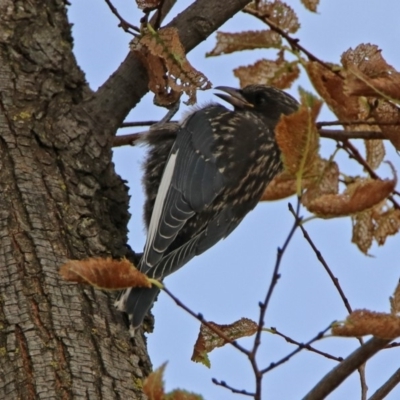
{"points": [[190, 182]]}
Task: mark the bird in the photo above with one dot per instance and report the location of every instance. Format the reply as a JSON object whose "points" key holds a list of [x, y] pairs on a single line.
{"points": [[201, 177]]}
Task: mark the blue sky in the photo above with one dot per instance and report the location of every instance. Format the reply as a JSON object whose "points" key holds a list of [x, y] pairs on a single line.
{"points": [[228, 281]]}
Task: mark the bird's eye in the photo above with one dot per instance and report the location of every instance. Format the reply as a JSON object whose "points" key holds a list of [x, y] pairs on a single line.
{"points": [[260, 99]]}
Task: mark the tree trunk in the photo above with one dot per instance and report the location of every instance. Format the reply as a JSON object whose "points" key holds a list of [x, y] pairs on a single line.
{"points": [[60, 199]]}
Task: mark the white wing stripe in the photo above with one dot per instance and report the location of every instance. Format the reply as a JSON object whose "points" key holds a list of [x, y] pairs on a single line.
{"points": [[159, 203]]}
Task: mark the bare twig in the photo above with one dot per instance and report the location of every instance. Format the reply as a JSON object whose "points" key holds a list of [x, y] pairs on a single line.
{"points": [[125, 25], [356, 122], [294, 43], [304, 346], [339, 134], [342, 371], [127, 140], [232, 389], [294, 352], [387, 387], [322, 261], [264, 305], [200, 318]]}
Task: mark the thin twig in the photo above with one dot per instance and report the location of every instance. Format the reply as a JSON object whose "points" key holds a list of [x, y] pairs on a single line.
{"points": [[294, 43], [356, 122], [200, 318], [264, 305], [387, 387], [125, 25], [339, 134], [305, 346], [127, 140], [232, 389], [294, 352], [322, 261]]}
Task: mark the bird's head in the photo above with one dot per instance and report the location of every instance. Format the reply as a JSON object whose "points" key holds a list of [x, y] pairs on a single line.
{"points": [[267, 100]]}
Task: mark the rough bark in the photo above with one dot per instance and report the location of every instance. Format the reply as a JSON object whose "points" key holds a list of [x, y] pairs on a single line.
{"points": [[60, 199]]}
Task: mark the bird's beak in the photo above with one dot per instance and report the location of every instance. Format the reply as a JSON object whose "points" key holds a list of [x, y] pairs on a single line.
{"points": [[233, 97]]}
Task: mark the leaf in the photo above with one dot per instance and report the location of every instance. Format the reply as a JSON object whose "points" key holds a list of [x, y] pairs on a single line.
{"points": [[395, 301], [368, 74], [279, 73], [384, 113], [330, 87], [208, 340], [363, 230], [375, 152], [278, 12], [104, 273], [148, 5], [153, 388], [364, 322], [170, 73], [326, 181], [359, 196], [298, 139], [386, 223], [230, 42], [311, 5]]}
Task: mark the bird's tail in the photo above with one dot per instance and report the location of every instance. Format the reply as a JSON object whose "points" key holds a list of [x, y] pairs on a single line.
{"points": [[136, 302]]}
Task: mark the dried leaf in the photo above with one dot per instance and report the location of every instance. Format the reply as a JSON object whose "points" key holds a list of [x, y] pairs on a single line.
{"points": [[395, 301], [375, 152], [384, 113], [148, 5], [279, 73], [363, 230], [230, 42], [208, 340], [368, 74], [386, 223], [170, 73], [330, 87], [278, 12], [298, 139], [326, 181], [153, 388], [283, 185], [359, 196], [104, 273], [364, 322], [311, 5]]}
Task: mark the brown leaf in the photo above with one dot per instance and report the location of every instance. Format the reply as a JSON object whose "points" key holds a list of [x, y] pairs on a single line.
{"points": [[311, 5], [279, 73], [325, 181], [283, 185], [148, 5], [364, 322], [208, 340], [395, 301], [384, 112], [375, 152], [278, 12], [298, 139], [230, 42], [363, 230], [104, 273], [170, 73], [153, 385], [330, 87], [359, 196], [368, 74], [387, 223]]}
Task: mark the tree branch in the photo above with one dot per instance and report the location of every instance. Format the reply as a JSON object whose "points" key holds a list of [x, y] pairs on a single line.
{"points": [[338, 374], [129, 83], [387, 387]]}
